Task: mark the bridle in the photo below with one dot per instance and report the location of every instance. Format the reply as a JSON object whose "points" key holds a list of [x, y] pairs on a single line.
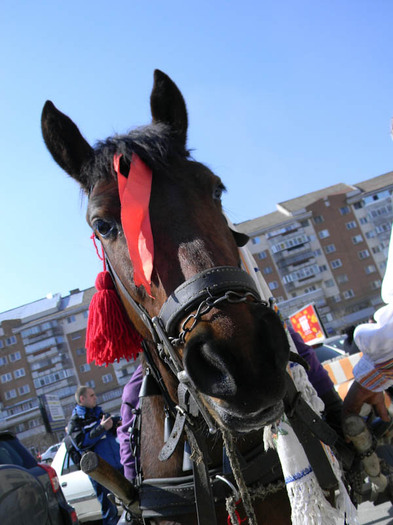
{"points": [[201, 293]]}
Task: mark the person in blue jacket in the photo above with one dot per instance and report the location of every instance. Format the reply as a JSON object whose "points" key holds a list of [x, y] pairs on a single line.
{"points": [[91, 429]]}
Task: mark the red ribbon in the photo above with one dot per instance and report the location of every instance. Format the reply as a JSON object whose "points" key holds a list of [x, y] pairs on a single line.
{"points": [[134, 193]]}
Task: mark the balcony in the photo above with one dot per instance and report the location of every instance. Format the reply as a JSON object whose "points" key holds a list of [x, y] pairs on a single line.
{"points": [[37, 333], [300, 257], [43, 344]]}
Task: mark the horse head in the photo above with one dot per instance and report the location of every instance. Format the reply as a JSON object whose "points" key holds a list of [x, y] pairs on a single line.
{"points": [[229, 345]]}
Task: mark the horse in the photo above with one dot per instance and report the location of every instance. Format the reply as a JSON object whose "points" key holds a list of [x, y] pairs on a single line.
{"points": [[217, 351]]}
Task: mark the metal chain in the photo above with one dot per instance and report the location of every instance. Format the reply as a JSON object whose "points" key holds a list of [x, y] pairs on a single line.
{"points": [[208, 304]]}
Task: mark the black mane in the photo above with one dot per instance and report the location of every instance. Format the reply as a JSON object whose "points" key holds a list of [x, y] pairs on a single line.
{"points": [[155, 144]]}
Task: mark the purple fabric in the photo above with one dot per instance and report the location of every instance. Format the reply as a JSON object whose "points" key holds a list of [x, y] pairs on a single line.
{"points": [[318, 376], [131, 396]]}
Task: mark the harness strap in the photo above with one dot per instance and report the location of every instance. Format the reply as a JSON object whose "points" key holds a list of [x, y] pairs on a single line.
{"points": [[174, 496], [178, 427], [310, 429]]}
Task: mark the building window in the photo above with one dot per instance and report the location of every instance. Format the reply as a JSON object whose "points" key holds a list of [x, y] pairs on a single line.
{"points": [[375, 249], [11, 394], [273, 285], [357, 239], [15, 357], [358, 205], [91, 383], [262, 255], [348, 294], [255, 240], [86, 314], [85, 368], [107, 378], [351, 225], [330, 248], [329, 283], [318, 219], [370, 234], [375, 285], [71, 319], [363, 220], [317, 252], [267, 270], [370, 269], [19, 373], [3, 361], [22, 390], [322, 268], [383, 228], [6, 378], [337, 298], [75, 336], [10, 340], [336, 264], [343, 278], [81, 351], [323, 234], [34, 423], [344, 210], [1, 343], [363, 254]]}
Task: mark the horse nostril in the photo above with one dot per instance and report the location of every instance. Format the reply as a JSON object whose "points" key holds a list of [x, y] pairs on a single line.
{"points": [[208, 366]]}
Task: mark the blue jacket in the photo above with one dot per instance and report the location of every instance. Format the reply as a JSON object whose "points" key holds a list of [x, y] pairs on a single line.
{"points": [[87, 434]]}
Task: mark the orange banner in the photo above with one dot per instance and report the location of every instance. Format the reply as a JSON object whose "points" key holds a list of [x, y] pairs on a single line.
{"points": [[307, 323]]}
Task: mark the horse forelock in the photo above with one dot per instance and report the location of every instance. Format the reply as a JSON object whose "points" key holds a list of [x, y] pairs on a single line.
{"points": [[155, 144]]}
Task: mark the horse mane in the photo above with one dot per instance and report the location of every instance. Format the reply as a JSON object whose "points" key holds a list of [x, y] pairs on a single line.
{"points": [[155, 144]]}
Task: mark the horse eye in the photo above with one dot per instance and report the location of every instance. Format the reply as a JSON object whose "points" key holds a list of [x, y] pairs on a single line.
{"points": [[218, 191], [104, 228]]}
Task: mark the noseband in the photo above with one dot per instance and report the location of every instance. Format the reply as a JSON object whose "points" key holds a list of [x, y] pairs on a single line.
{"points": [[202, 292]]}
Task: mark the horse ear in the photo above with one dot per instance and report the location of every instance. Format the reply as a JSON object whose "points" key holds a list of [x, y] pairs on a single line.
{"points": [[168, 106], [65, 142]]}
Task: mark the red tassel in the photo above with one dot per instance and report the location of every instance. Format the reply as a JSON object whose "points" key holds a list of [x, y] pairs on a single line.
{"points": [[110, 335]]}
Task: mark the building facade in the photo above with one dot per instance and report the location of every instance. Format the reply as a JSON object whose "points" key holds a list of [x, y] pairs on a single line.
{"points": [[327, 247], [43, 356]]}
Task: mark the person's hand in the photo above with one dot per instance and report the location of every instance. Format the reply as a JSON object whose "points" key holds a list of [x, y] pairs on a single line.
{"points": [[358, 395], [106, 422]]}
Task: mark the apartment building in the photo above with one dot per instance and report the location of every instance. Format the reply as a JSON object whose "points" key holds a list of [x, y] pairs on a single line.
{"points": [[328, 247], [43, 357]]}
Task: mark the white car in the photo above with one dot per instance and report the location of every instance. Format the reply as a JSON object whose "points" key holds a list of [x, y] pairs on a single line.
{"points": [[77, 487], [49, 454]]}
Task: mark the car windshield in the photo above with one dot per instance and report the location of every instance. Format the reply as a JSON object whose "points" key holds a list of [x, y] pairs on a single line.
{"points": [[325, 353]]}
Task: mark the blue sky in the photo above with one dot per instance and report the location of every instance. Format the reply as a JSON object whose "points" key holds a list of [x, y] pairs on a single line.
{"points": [[284, 98]]}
